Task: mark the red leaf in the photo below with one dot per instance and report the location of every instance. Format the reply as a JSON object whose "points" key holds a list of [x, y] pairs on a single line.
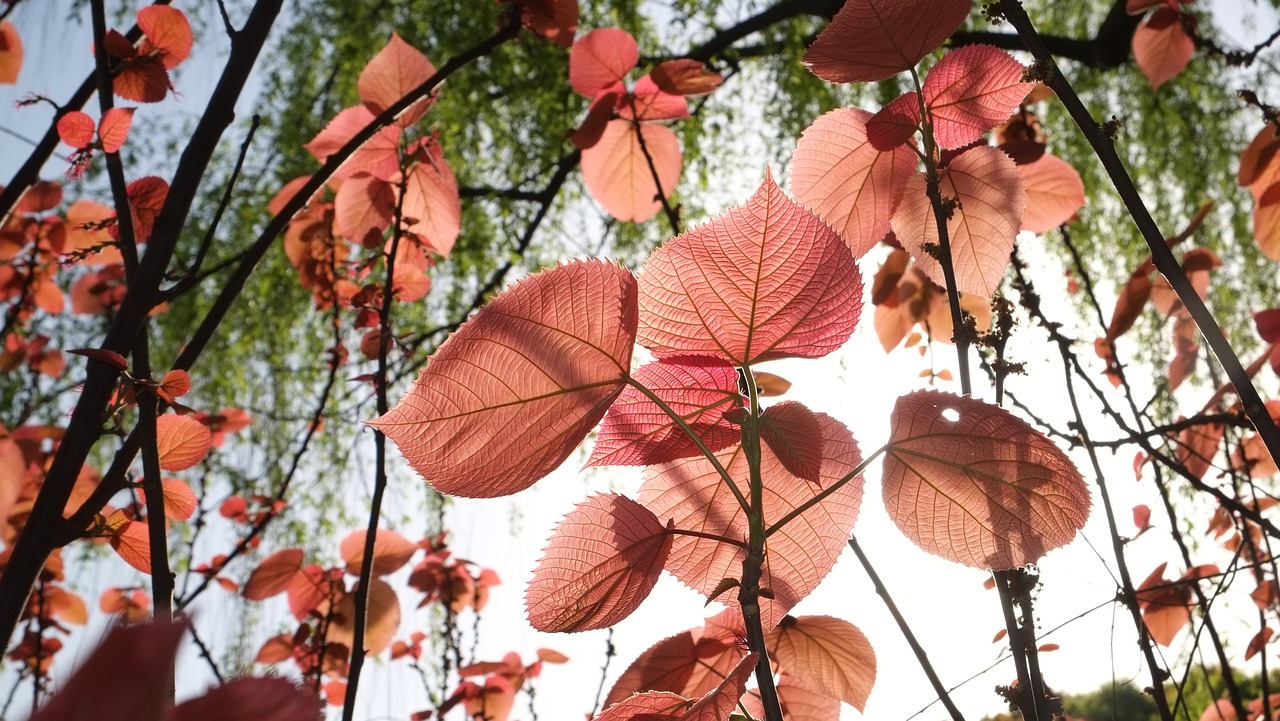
{"points": [[146, 198], [10, 53], [182, 440], [801, 553], [1055, 193], [618, 174], [895, 123], [431, 206], [508, 397], [111, 358], [382, 619], [838, 173], [601, 563], [76, 129], [114, 128], [1258, 642], [986, 490], [685, 76], [598, 117], [601, 58], [826, 655], [794, 434], [1268, 324], [142, 79], [1162, 47], [798, 703], [250, 699], [1141, 517], [972, 90], [767, 279], [1164, 606], [390, 551], [637, 432], [1133, 298], [273, 575], [363, 208], [379, 156], [653, 103], [168, 34], [397, 69], [133, 545], [877, 39], [982, 229], [688, 664], [555, 20]]}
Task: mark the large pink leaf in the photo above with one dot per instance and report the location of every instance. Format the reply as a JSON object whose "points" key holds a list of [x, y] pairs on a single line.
{"points": [[1054, 193], [431, 206], [363, 209], [972, 90], [379, 156], [982, 229], [601, 562], [794, 434], [984, 489], [636, 432], [1162, 47], [877, 39], [766, 280], [508, 397], [397, 69], [689, 664], [618, 173], [601, 58], [798, 703], [837, 173], [826, 655], [801, 553]]}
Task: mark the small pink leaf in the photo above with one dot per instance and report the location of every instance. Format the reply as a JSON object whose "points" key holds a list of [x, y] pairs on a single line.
{"points": [[363, 209], [1141, 517], [618, 174], [601, 58], [689, 664], [767, 279], [114, 128], [183, 441], [895, 123], [1162, 47], [76, 129], [986, 490], [390, 551], [653, 103], [431, 204], [1055, 193], [508, 397], [397, 69], [982, 229], [636, 432], [379, 156], [877, 39], [602, 561], [972, 90], [825, 655], [794, 434]]}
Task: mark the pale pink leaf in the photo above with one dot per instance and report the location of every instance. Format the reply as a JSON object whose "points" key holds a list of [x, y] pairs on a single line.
{"points": [[114, 128], [508, 396], [637, 432], [794, 434], [837, 173], [1161, 46], [982, 229], [379, 156], [876, 39], [798, 703], [768, 279], [895, 123], [602, 561], [618, 173], [182, 441], [825, 655], [601, 58], [689, 664], [431, 205], [972, 90], [985, 489], [801, 553], [397, 69], [363, 209], [390, 551], [1055, 193]]}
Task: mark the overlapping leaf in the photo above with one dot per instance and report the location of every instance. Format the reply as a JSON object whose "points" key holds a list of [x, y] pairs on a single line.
{"points": [[801, 553], [825, 655], [766, 280], [381, 621], [363, 209], [431, 205], [182, 441], [798, 703], [1055, 193], [972, 90], [895, 123], [510, 395], [397, 69], [602, 561], [839, 174], [876, 39], [274, 574], [689, 664], [601, 58], [794, 434], [1162, 47], [618, 173], [379, 156], [986, 489], [390, 551]]}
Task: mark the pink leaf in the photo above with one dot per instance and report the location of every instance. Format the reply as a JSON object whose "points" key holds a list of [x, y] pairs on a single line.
{"points": [[114, 128], [1268, 324], [508, 397], [363, 209], [721, 701], [648, 706], [838, 173], [972, 90], [382, 618], [801, 553], [895, 123], [636, 432], [250, 699], [1141, 517], [877, 39], [602, 561], [397, 69], [825, 655], [379, 156], [431, 204], [798, 703], [794, 434], [182, 440], [390, 551], [273, 575], [982, 229], [133, 545], [1162, 47], [689, 664], [76, 129], [618, 174], [767, 279], [986, 490], [1055, 193], [601, 58], [653, 103], [598, 117]]}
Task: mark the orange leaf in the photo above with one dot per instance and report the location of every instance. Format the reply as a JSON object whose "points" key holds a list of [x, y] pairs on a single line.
{"points": [[685, 76], [273, 575], [182, 441], [1055, 193], [397, 69], [431, 206], [10, 53], [168, 34], [276, 649], [131, 542], [617, 172], [1258, 642], [76, 129], [825, 655], [1162, 47], [114, 128], [381, 622], [174, 385], [390, 551], [688, 664]]}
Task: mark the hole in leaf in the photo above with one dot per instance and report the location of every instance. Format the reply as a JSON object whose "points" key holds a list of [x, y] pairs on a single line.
{"points": [[951, 415]]}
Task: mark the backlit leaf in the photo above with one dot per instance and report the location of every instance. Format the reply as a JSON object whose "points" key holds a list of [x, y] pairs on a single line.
{"points": [[767, 279], [601, 58], [1162, 47], [431, 203], [685, 76], [379, 156], [877, 39], [146, 198], [397, 69], [895, 123], [984, 489], [1055, 193], [142, 79], [273, 575], [363, 209], [689, 664], [390, 551], [250, 699], [381, 622], [648, 706], [168, 34], [1258, 155], [182, 441], [721, 701], [601, 563], [10, 53], [1266, 221], [798, 703], [794, 434], [180, 502], [972, 90], [838, 173], [76, 129], [653, 103], [618, 174], [826, 655], [555, 20], [1164, 605], [133, 545], [508, 397], [1198, 446]]}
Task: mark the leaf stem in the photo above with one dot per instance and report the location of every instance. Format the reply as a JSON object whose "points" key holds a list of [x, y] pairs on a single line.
{"points": [[819, 498]]}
